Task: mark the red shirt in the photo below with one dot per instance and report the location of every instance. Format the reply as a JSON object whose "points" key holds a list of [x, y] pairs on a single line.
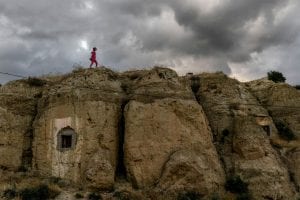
{"points": [[93, 56]]}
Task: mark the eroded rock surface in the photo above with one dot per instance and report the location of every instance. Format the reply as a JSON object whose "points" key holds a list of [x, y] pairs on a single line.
{"points": [[87, 102], [282, 101], [161, 136], [150, 134], [17, 112], [243, 143]]}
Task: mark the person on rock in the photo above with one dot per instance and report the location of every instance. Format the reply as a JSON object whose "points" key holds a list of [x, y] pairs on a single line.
{"points": [[93, 57]]}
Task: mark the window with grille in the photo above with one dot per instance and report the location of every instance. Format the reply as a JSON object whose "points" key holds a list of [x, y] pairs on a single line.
{"points": [[66, 139]]}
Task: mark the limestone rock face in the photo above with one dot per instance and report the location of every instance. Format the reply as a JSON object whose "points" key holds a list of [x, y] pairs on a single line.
{"points": [[282, 101], [17, 111], [158, 83], [160, 136], [150, 134], [293, 161], [93, 116], [258, 163], [192, 170], [235, 117]]}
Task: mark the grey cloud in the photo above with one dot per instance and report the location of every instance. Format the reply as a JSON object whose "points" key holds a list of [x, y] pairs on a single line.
{"points": [[222, 29], [44, 36]]}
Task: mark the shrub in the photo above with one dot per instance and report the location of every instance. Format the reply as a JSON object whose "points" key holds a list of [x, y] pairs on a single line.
{"points": [[190, 195], [297, 87], [94, 196], [244, 196], [9, 193], [284, 131], [40, 192], [78, 196], [54, 179], [77, 68], [35, 82], [215, 197], [122, 195], [236, 185], [276, 76]]}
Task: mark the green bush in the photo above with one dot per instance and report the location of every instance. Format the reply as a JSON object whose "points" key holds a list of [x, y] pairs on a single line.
{"points": [[40, 192], [276, 76], [284, 131], [235, 184], [190, 195]]}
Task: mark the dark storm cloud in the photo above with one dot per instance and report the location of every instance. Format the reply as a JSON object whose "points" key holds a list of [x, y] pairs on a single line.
{"points": [[222, 30], [194, 35]]}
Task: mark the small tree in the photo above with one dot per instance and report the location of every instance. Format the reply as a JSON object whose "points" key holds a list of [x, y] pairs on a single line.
{"points": [[275, 76]]}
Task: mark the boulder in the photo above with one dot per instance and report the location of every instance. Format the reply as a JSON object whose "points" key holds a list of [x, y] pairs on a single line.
{"points": [[169, 143]]}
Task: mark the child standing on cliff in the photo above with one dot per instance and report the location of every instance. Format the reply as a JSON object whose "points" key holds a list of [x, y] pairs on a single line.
{"points": [[93, 58]]}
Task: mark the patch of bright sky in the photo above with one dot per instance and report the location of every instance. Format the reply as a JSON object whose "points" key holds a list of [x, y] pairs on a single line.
{"points": [[89, 5], [82, 45], [205, 5], [258, 66]]}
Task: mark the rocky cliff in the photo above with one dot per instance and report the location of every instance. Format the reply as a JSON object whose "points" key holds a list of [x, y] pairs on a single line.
{"points": [[151, 134]]}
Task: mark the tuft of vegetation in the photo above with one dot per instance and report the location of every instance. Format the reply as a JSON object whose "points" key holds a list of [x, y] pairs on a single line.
{"points": [[284, 131], [10, 193], [22, 169], [40, 192], [36, 82], [122, 195], [215, 196], [54, 179], [94, 196], [236, 185], [78, 196], [276, 76], [296, 86], [190, 195], [244, 196], [77, 68]]}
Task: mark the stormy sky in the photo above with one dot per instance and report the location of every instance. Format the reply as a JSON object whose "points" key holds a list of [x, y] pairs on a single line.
{"points": [[243, 38]]}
